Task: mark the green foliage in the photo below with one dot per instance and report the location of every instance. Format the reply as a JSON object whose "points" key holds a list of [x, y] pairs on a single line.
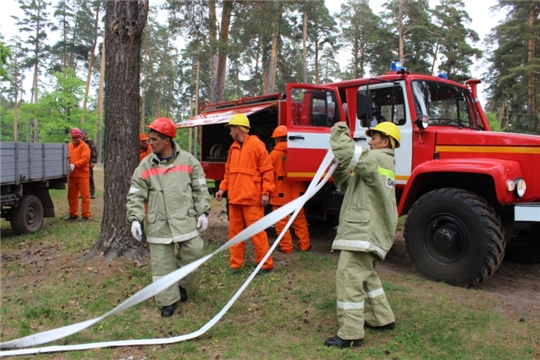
{"points": [[453, 40], [513, 67], [287, 313], [4, 56], [493, 122]]}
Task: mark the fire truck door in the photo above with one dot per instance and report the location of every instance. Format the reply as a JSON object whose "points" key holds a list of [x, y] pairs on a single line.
{"points": [[312, 111], [386, 102]]}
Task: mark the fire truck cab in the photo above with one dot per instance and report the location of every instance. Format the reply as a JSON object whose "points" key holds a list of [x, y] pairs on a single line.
{"points": [[470, 194]]}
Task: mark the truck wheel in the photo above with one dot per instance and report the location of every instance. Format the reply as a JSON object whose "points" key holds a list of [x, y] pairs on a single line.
{"points": [[27, 217], [524, 246], [455, 236]]}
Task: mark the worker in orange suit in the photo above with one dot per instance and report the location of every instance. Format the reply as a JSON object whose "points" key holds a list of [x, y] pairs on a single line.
{"points": [[144, 147], [79, 177], [249, 182], [285, 192]]}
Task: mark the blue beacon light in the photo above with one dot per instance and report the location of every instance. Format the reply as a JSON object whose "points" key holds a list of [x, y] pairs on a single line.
{"points": [[396, 66], [443, 75]]}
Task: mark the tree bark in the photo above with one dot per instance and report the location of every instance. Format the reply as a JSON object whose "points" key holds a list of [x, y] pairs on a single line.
{"points": [[400, 32], [304, 45], [124, 24], [531, 55], [100, 102], [91, 62], [223, 49]]}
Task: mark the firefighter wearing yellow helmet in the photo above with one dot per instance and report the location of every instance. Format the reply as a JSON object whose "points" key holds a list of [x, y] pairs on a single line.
{"points": [[366, 230], [249, 182]]}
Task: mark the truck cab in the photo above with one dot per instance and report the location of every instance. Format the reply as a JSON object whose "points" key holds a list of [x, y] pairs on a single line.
{"points": [[470, 194]]}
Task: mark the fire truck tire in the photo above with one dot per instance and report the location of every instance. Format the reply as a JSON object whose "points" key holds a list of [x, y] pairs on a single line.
{"points": [[455, 236], [27, 217], [524, 246]]}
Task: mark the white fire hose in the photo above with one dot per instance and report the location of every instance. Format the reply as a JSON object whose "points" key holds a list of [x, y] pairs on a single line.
{"points": [[163, 283]]}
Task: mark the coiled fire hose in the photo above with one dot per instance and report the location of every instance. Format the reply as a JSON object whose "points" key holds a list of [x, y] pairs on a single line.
{"points": [[156, 287]]}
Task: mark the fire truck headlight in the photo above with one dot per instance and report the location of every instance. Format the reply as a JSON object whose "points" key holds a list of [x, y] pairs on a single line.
{"points": [[510, 185], [521, 187]]}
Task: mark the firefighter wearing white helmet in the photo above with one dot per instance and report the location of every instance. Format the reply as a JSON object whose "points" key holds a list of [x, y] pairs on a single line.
{"points": [[172, 182], [366, 229]]}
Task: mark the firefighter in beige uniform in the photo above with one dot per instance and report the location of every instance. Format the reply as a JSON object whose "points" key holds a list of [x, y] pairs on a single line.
{"points": [[172, 182], [366, 229]]}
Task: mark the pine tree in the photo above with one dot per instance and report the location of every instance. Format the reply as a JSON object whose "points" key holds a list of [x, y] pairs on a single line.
{"points": [[124, 24], [453, 39], [36, 24]]}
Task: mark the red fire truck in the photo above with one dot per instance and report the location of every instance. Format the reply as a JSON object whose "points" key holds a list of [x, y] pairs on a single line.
{"points": [[471, 195]]}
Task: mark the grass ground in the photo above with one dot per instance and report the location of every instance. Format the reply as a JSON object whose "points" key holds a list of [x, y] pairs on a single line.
{"points": [[286, 314]]}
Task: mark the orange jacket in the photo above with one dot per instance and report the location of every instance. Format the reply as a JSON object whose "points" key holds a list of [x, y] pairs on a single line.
{"points": [[143, 153], [248, 172], [285, 191], [79, 156]]}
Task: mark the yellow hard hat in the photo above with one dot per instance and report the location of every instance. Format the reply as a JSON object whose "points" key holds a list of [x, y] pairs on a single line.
{"points": [[389, 129], [239, 120]]}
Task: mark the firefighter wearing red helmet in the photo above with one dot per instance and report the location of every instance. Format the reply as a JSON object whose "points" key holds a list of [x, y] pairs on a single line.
{"points": [[365, 233], [249, 182], [79, 177], [285, 192], [173, 184]]}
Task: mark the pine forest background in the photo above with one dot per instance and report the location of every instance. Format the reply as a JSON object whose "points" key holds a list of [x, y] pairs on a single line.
{"points": [[195, 51]]}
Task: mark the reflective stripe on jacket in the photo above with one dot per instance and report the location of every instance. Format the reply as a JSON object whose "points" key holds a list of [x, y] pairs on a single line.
{"points": [[248, 172], [285, 190], [80, 157], [176, 193], [369, 213]]}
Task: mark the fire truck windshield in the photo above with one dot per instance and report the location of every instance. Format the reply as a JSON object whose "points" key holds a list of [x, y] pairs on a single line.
{"points": [[445, 104]]}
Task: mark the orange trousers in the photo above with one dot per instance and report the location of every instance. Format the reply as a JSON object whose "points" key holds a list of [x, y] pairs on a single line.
{"points": [[76, 186], [300, 229], [240, 217]]}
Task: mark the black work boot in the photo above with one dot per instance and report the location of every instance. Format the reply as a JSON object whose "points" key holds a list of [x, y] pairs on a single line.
{"points": [[168, 311], [390, 326], [336, 341], [183, 294]]}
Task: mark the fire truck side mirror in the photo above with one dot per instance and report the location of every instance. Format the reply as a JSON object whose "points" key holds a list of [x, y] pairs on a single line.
{"points": [[422, 122], [363, 106]]}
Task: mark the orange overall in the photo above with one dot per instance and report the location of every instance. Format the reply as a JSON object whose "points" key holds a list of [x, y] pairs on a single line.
{"points": [[78, 181], [285, 192], [248, 175], [144, 153]]}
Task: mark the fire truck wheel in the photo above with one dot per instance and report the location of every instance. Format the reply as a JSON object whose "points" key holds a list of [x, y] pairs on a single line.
{"points": [[455, 236], [524, 246], [27, 217]]}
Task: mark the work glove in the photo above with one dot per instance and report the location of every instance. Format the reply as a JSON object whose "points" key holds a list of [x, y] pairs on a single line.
{"points": [[136, 230], [202, 222], [71, 167]]}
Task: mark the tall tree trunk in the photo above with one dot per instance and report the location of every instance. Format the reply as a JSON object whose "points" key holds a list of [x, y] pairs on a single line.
{"points": [[531, 55], [212, 19], [272, 66], [100, 101], [304, 45], [316, 68], [400, 32], [223, 49], [16, 113], [91, 62], [124, 24]]}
